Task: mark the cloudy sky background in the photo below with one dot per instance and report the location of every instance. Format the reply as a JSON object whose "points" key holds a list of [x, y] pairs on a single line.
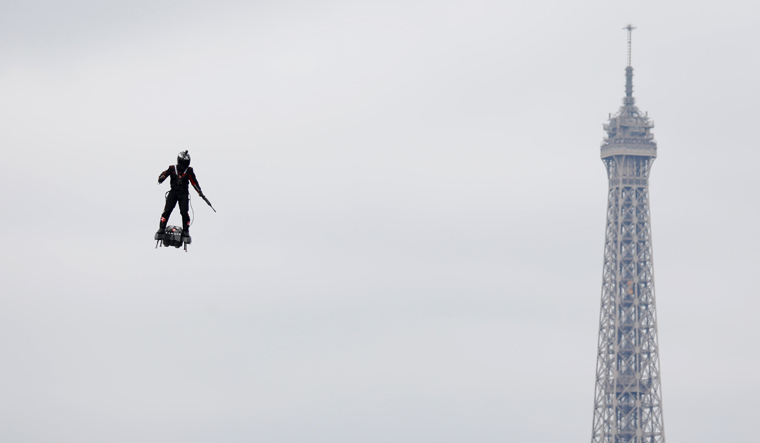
{"points": [[411, 205]]}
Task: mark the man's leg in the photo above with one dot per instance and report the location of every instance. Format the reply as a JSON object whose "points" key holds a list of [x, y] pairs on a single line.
{"points": [[183, 205], [171, 201]]}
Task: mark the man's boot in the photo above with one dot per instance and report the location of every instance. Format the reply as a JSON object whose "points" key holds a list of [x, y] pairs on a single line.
{"points": [[161, 230]]}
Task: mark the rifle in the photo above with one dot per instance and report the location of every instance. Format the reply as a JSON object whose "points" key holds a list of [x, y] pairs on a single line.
{"points": [[206, 200]]}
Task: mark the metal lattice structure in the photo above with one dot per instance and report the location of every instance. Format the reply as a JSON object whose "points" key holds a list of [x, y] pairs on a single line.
{"points": [[627, 398]]}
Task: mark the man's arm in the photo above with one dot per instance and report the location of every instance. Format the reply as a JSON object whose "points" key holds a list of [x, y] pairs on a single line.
{"points": [[194, 182], [165, 174]]}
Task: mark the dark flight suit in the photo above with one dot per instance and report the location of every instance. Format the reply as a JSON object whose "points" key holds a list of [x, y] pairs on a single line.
{"points": [[179, 193]]}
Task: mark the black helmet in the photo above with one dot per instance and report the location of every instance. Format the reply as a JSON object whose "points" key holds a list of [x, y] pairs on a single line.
{"points": [[183, 160]]}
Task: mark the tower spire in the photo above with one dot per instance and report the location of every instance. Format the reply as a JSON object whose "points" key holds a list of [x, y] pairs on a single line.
{"points": [[630, 29], [628, 100]]}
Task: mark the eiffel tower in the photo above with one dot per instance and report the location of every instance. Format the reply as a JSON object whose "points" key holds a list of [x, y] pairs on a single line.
{"points": [[628, 398]]}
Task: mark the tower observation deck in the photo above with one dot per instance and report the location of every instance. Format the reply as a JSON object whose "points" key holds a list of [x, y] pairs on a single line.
{"points": [[628, 398]]}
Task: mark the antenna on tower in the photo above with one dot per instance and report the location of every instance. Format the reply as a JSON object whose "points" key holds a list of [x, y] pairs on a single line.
{"points": [[630, 29], [628, 100]]}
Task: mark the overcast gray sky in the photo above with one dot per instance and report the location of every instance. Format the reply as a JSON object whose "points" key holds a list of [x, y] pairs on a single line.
{"points": [[411, 205]]}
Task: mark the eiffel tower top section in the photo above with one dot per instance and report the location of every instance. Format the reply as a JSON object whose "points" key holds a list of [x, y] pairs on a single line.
{"points": [[629, 131]]}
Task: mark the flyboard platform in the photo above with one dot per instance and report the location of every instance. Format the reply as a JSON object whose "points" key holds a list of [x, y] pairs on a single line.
{"points": [[172, 236]]}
